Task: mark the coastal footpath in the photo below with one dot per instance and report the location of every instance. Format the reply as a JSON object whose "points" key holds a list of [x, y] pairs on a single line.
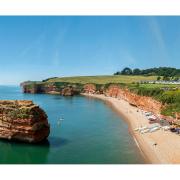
{"points": [[23, 120]]}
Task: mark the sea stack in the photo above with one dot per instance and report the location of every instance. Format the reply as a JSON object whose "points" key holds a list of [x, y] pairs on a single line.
{"points": [[23, 120]]}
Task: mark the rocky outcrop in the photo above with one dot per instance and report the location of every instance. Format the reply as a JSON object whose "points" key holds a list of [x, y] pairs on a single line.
{"points": [[69, 91], [50, 88], [93, 89], [32, 87], [177, 115], [113, 91], [23, 121], [143, 102], [89, 88]]}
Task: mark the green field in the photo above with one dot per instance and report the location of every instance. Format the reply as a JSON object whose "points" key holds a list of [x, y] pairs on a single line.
{"points": [[103, 79], [152, 86]]}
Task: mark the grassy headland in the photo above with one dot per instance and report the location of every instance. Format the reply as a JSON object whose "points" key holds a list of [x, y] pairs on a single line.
{"points": [[103, 79], [142, 82]]}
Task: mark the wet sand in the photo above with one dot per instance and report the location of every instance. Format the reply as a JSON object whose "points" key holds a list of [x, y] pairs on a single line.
{"points": [[167, 150]]}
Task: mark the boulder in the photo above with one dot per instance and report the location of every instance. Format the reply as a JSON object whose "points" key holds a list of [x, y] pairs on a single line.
{"points": [[23, 121]]}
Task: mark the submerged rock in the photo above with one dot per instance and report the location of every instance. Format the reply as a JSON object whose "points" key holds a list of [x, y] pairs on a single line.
{"points": [[23, 120]]}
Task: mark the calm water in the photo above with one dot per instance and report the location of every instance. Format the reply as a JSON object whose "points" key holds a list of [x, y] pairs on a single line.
{"points": [[90, 133]]}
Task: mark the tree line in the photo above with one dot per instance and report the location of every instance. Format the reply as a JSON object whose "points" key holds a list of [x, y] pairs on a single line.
{"points": [[166, 72]]}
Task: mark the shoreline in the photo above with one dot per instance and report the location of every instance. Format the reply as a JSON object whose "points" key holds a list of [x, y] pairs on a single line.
{"points": [[168, 143]]}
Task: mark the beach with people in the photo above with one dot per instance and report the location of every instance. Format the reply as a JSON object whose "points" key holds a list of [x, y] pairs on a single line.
{"points": [[160, 146]]}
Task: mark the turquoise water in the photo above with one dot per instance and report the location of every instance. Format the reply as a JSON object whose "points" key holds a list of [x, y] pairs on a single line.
{"points": [[90, 133]]}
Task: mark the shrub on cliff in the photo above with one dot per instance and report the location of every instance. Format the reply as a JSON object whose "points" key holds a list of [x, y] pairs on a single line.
{"points": [[170, 97], [149, 91], [170, 110]]}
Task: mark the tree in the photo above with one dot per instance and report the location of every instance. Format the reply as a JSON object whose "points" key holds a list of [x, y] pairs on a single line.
{"points": [[126, 71], [158, 78], [166, 78], [160, 71], [117, 73], [136, 71], [176, 78]]}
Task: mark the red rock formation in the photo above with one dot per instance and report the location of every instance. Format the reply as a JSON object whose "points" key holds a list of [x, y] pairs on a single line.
{"points": [[89, 88], [23, 121], [177, 115], [69, 91], [143, 102], [113, 91], [50, 89], [33, 88]]}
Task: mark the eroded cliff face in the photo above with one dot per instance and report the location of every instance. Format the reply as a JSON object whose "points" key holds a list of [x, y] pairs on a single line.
{"points": [[92, 89], [142, 102], [69, 91], [89, 88], [38, 88], [64, 90], [23, 121], [178, 116]]}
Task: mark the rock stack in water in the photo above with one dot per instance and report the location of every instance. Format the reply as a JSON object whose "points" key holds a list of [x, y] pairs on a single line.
{"points": [[23, 121]]}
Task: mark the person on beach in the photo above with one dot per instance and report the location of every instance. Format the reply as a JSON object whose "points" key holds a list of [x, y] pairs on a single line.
{"points": [[155, 144]]}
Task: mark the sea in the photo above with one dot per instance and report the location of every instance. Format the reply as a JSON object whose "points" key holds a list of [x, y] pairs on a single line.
{"points": [[82, 131]]}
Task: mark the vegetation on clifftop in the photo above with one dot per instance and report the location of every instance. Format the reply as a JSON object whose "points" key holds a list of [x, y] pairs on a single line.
{"points": [[168, 94], [161, 71], [102, 79]]}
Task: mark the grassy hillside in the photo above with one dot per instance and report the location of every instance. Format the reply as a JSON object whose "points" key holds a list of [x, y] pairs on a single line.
{"points": [[102, 79], [149, 86], [168, 94]]}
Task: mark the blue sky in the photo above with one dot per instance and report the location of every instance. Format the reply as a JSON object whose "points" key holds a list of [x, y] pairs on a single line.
{"points": [[35, 48]]}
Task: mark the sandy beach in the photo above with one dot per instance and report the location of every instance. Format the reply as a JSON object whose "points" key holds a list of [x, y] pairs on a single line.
{"points": [[167, 150]]}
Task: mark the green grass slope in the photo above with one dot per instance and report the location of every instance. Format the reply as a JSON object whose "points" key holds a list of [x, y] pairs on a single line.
{"points": [[168, 94], [103, 79]]}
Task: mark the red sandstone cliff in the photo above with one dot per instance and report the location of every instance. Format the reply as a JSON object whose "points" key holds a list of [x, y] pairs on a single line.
{"points": [[50, 88], [67, 91], [23, 121], [89, 88], [143, 102]]}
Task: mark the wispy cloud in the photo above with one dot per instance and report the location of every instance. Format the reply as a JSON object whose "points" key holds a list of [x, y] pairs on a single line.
{"points": [[36, 47], [56, 58], [127, 58], [59, 38], [33, 45], [157, 33]]}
